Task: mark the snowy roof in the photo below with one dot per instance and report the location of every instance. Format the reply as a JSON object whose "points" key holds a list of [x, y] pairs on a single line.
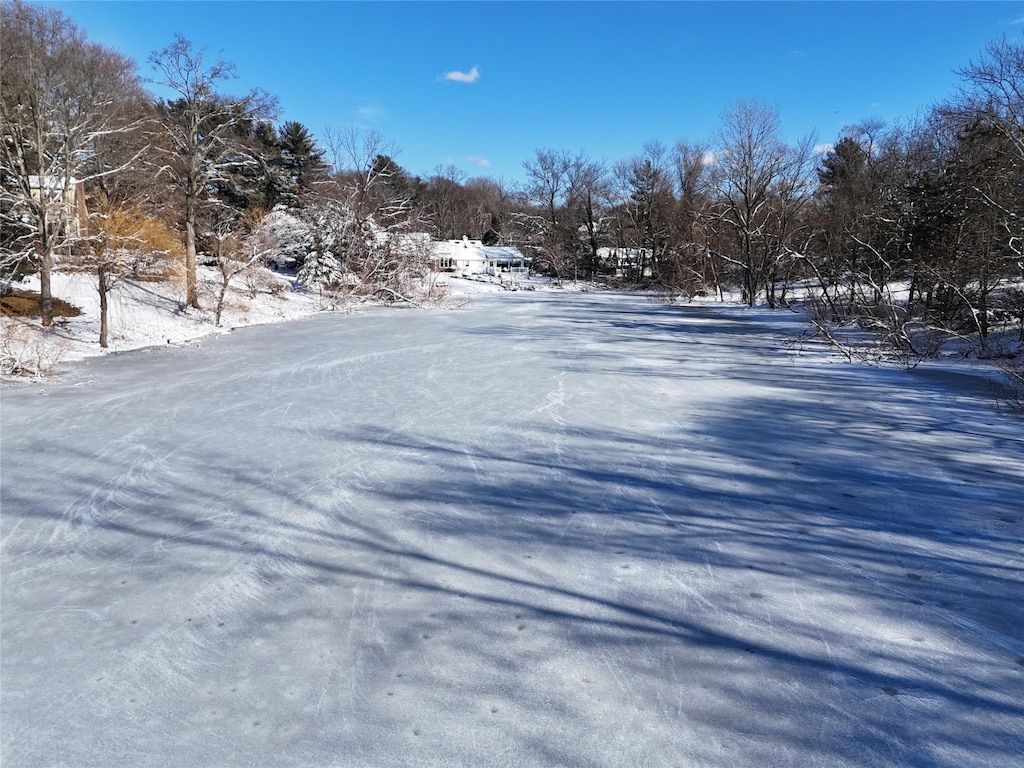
{"points": [[474, 250]]}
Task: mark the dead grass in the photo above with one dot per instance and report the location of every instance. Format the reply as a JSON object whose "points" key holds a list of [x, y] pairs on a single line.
{"points": [[19, 303]]}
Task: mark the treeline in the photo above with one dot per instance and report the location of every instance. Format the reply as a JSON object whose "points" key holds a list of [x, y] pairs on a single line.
{"points": [[915, 231], [905, 229], [100, 174]]}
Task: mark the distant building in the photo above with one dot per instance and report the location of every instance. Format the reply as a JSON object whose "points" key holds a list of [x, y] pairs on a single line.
{"points": [[625, 262], [472, 257], [66, 203]]}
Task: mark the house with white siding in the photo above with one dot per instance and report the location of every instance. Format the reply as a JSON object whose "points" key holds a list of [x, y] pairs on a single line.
{"points": [[472, 257]]}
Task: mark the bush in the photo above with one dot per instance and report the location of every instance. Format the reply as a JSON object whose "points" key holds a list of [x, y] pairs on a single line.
{"points": [[27, 350]]}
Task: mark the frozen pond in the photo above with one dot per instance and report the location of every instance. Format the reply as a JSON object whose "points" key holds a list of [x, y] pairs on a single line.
{"points": [[575, 530]]}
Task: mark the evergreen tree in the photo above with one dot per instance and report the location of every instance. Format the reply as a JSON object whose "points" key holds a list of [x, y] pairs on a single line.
{"points": [[300, 160], [321, 269], [493, 234]]}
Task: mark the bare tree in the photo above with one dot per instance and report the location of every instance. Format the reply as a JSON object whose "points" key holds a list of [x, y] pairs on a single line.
{"points": [[751, 157], [239, 248], [547, 182], [647, 200], [61, 95], [793, 191], [988, 121], [445, 201], [126, 243], [698, 263], [966, 205], [993, 90], [368, 179], [202, 126], [372, 213], [588, 199], [487, 202]]}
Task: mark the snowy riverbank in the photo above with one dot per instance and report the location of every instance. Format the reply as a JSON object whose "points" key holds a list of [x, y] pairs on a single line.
{"points": [[148, 314]]}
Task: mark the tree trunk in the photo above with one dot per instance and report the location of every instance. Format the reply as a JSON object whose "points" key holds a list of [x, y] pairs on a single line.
{"points": [[983, 307], [191, 294], [220, 302], [191, 198], [101, 272], [748, 286], [45, 294]]}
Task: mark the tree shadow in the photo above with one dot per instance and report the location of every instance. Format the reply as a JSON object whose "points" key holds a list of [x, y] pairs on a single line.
{"points": [[791, 568]]}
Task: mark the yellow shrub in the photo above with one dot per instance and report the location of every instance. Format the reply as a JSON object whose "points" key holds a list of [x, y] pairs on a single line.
{"points": [[135, 244]]}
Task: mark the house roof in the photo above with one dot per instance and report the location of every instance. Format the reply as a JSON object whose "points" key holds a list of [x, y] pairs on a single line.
{"points": [[474, 250]]}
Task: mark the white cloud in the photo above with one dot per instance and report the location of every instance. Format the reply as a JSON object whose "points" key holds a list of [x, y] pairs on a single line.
{"points": [[1017, 21], [370, 112], [823, 149], [709, 158], [463, 77], [483, 162]]}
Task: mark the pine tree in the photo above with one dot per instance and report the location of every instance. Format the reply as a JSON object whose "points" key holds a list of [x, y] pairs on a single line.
{"points": [[322, 267], [300, 159]]}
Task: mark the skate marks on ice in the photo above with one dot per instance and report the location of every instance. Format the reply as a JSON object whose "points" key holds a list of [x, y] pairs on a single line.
{"points": [[487, 536]]}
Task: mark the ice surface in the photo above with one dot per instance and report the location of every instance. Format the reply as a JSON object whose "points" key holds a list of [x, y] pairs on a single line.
{"points": [[551, 529]]}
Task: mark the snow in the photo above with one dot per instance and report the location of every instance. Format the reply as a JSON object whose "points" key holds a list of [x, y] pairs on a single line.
{"points": [[553, 528], [144, 314], [148, 314]]}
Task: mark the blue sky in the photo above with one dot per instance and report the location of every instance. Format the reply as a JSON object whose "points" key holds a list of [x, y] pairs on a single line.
{"points": [[597, 77]]}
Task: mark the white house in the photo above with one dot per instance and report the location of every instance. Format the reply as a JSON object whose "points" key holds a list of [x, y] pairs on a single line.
{"points": [[472, 257], [65, 202]]}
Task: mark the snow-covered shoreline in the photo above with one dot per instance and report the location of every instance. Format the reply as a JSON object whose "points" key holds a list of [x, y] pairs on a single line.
{"points": [[146, 314]]}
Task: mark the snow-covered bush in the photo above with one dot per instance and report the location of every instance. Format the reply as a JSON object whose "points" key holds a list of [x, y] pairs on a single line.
{"points": [[320, 271], [286, 236], [29, 350], [343, 257]]}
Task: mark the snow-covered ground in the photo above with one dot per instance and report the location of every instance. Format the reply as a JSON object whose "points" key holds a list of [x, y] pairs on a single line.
{"points": [[145, 314], [578, 529]]}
